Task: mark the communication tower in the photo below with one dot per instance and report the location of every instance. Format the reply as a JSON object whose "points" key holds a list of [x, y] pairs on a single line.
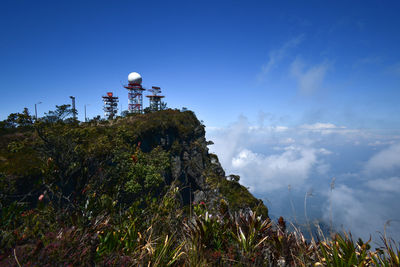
{"points": [[155, 99], [110, 105], [135, 93]]}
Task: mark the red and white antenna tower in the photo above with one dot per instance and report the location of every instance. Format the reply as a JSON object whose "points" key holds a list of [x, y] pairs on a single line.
{"points": [[135, 93], [110, 105]]}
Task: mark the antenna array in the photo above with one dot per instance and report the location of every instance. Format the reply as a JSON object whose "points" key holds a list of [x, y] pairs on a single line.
{"points": [[110, 105]]}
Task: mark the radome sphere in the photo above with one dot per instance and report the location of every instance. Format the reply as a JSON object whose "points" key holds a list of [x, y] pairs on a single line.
{"points": [[134, 77]]}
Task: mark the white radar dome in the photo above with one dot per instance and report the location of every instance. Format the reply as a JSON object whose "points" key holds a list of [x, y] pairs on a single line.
{"points": [[134, 77]]}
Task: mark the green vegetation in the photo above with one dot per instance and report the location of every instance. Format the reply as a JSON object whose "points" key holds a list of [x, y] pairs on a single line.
{"points": [[120, 193], [236, 194]]}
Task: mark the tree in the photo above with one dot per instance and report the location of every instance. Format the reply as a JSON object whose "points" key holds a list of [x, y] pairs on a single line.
{"points": [[163, 106], [12, 120], [124, 113], [19, 119], [60, 114], [96, 119], [24, 118], [234, 178]]}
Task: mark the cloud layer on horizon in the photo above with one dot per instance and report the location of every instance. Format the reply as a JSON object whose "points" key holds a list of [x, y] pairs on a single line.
{"points": [[366, 164]]}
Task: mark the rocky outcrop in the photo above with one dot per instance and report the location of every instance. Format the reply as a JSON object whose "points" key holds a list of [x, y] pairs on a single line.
{"points": [[197, 172]]}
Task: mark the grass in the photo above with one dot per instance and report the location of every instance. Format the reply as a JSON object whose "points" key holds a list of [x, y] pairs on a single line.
{"points": [[203, 239]]}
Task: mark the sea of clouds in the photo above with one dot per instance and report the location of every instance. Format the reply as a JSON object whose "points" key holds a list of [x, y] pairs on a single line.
{"points": [[347, 177]]}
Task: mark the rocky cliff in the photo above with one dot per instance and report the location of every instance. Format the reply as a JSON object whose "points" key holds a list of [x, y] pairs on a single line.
{"points": [[196, 170]]}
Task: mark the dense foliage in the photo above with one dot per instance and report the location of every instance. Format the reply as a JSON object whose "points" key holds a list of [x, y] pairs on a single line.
{"points": [[103, 193]]}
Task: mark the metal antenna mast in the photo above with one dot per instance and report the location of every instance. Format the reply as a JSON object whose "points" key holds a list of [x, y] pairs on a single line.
{"points": [[73, 107]]}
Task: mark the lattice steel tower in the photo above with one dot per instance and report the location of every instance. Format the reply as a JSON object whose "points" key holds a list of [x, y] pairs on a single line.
{"points": [[155, 99], [110, 105], [135, 93]]}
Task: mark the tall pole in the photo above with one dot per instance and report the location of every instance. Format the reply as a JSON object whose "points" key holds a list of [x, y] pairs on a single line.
{"points": [[86, 119], [73, 107], [36, 110], [35, 113]]}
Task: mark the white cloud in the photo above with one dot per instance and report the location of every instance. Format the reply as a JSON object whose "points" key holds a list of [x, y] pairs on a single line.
{"points": [[390, 185], [323, 168], [351, 212], [269, 128], [320, 126], [276, 56], [346, 208], [263, 173], [288, 140], [327, 128], [289, 157], [324, 151], [309, 80], [381, 143], [361, 212], [385, 160], [280, 128], [227, 141], [270, 157]]}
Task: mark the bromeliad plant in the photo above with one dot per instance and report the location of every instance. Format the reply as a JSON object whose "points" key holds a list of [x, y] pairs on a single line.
{"points": [[342, 251], [124, 238], [205, 232], [250, 233], [207, 237]]}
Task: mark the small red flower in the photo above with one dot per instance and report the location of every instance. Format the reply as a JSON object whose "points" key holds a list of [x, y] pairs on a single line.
{"points": [[202, 203], [27, 213], [216, 254]]}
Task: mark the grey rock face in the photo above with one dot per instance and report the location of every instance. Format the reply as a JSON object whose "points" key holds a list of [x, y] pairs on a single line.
{"points": [[176, 167], [199, 196], [190, 162]]}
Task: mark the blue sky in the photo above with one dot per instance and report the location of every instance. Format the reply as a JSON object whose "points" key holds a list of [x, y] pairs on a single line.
{"points": [[219, 58], [304, 91]]}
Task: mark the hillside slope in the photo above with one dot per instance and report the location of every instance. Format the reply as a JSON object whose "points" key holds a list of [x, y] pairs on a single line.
{"points": [[75, 156]]}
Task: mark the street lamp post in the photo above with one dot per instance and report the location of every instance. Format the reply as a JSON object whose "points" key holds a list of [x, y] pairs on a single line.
{"points": [[36, 110], [85, 111]]}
